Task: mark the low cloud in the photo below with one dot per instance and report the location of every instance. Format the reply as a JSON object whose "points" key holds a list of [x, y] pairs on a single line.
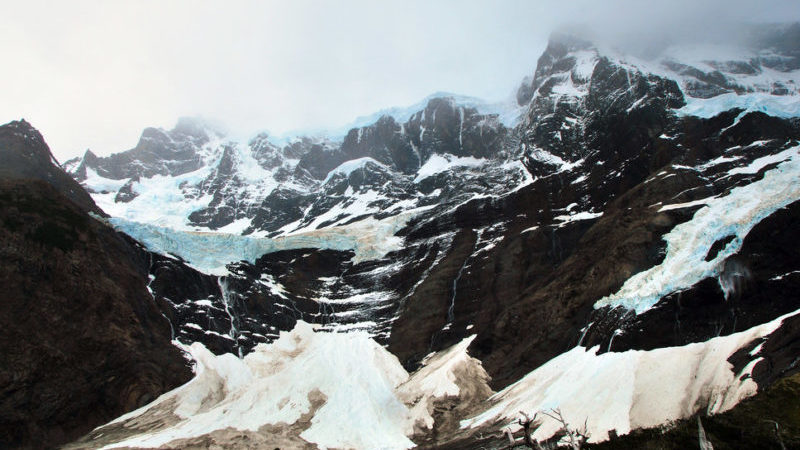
{"points": [[92, 74]]}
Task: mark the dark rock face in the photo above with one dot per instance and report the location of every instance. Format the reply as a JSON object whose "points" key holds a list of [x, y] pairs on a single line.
{"points": [[83, 341], [158, 152], [319, 160], [26, 156], [445, 127]]}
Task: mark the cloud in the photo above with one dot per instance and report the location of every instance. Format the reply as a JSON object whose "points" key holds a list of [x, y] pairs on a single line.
{"points": [[92, 74]]}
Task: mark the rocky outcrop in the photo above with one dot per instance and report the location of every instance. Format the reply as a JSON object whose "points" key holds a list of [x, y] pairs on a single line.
{"points": [[26, 156], [83, 341], [158, 152]]}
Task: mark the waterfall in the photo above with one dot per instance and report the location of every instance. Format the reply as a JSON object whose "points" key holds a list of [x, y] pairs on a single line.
{"points": [[150, 279], [733, 277], [450, 315], [617, 332], [450, 310], [583, 332], [224, 289]]}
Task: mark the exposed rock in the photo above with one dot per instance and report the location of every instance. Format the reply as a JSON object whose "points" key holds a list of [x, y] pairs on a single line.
{"points": [[158, 152], [26, 156], [83, 341]]}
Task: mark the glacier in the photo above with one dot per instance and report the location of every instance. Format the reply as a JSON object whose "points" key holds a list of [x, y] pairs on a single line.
{"points": [[784, 106], [688, 244], [211, 252]]}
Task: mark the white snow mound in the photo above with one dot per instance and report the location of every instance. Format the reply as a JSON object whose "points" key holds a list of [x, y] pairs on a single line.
{"points": [[359, 380], [632, 389]]}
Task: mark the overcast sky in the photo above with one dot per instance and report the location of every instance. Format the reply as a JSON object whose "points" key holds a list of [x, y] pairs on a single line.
{"points": [[93, 74]]}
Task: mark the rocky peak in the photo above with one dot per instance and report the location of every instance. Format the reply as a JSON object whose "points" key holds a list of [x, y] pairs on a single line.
{"points": [[318, 161], [299, 146], [445, 126], [268, 155], [158, 152], [382, 141], [575, 90], [558, 57], [24, 130], [25, 155]]}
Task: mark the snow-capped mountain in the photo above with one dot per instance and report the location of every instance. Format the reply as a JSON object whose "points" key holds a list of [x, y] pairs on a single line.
{"points": [[631, 226]]}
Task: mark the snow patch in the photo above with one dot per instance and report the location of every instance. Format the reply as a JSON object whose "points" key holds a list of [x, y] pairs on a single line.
{"points": [[348, 167], [101, 184], [442, 163], [577, 216]]}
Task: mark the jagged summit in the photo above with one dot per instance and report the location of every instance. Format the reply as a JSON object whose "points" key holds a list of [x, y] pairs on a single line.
{"points": [[503, 109]]}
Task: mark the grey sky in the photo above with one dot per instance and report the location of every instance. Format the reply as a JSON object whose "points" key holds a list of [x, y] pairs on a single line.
{"points": [[92, 74]]}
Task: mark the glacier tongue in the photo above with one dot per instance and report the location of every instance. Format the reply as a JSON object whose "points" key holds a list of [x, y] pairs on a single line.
{"points": [[688, 244], [210, 252], [785, 106]]}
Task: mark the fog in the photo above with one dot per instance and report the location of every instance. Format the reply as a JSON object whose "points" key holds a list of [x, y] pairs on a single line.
{"points": [[93, 74]]}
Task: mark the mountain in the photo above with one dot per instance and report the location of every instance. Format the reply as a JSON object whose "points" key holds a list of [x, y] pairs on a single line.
{"points": [[27, 157], [83, 341], [621, 250]]}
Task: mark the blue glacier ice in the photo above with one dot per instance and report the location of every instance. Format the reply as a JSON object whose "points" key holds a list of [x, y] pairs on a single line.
{"points": [[784, 106], [688, 243], [210, 252]]}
